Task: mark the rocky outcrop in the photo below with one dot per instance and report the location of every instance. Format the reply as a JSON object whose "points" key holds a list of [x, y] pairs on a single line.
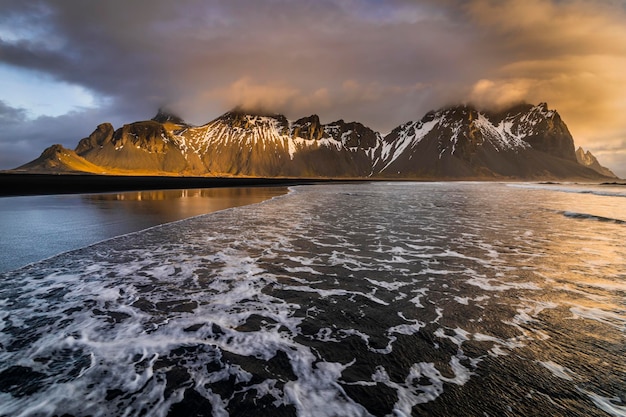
{"points": [[353, 134], [142, 146], [103, 134], [165, 116], [587, 159], [308, 128]]}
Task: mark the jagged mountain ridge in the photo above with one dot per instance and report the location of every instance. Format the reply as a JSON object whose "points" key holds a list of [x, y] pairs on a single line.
{"points": [[236, 143], [524, 141], [587, 159]]}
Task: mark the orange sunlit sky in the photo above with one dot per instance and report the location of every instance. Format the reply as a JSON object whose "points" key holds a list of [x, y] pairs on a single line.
{"points": [[66, 66]]}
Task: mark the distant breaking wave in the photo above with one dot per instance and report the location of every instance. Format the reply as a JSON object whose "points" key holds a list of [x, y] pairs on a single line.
{"points": [[572, 190], [574, 215]]}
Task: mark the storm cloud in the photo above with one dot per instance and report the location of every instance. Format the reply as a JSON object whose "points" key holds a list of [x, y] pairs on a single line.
{"points": [[381, 63]]}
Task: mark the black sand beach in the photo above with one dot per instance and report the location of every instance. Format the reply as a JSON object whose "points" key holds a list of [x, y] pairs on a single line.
{"points": [[35, 184]]}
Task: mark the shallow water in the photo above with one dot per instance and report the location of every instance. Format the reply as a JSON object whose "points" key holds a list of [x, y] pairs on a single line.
{"points": [[37, 227], [335, 300]]}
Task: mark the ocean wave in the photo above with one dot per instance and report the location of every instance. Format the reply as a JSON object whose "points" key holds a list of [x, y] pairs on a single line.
{"points": [[586, 216], [573, 189]]}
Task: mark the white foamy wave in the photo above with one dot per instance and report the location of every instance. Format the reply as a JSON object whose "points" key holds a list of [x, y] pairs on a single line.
{"points": [[606, 404], [487, 284], [457, 338], [411, 392], [500, 347], [607, 317], [316, 394], [558, 370]]}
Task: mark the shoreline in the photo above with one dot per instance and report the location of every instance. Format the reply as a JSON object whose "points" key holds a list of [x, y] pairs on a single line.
{"points": [[29, 184], [19, 184]]}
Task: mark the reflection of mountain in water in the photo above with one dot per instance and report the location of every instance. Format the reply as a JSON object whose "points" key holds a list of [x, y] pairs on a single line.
{"points": [[171, 205]]}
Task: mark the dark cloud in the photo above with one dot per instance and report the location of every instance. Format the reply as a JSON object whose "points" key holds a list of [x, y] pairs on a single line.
{"points": [[23, 139], [382, 63], [190, 52], [11, 116]]}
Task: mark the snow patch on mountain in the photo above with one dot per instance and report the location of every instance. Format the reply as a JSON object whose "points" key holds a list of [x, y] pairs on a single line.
{"points": [[501, 135], [409, 135], [246, 131]]}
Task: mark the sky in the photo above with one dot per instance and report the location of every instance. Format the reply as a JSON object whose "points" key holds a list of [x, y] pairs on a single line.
{"points": [[67, 66]]}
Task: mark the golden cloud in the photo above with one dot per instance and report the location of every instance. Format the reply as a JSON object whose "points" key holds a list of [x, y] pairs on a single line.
{"points": [[571, 54]]}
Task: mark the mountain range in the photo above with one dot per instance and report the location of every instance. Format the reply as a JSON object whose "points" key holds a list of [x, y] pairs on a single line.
{"points": [[458, 142]]}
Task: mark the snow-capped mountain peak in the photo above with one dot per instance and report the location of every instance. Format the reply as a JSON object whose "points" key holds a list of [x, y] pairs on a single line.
{"points": [[453, 142], [465, 141]]}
